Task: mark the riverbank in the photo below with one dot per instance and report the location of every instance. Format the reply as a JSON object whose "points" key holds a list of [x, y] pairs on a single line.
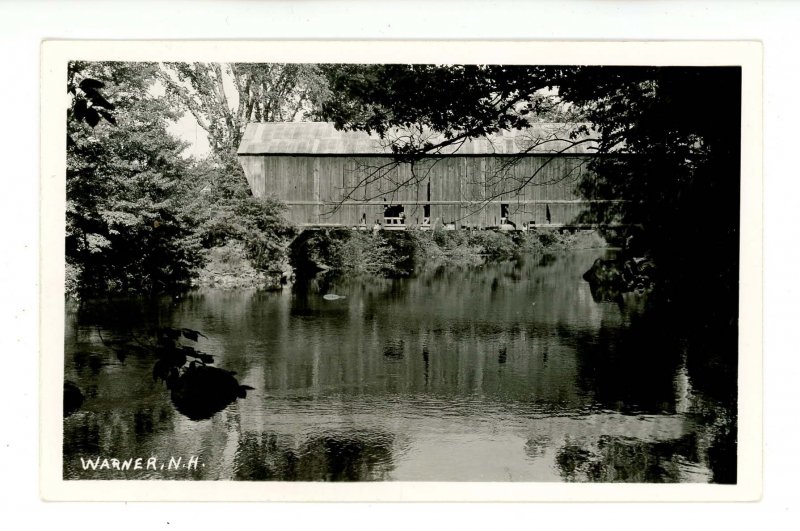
{"points": [[385, 254], [472, 247], [228, 267], [401, 254]]}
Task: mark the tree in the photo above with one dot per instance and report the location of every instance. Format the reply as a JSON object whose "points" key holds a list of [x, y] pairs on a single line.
{"points": [[223, 210], [421, 111], [667, 140], [670, 140], [225, 97], [457, 101], [126, 231]]}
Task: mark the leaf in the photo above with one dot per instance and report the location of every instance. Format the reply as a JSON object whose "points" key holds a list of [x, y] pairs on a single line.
{"points": [[196, 354], [242, 391], [189, 351], [205, 358], [92, 118], [89, 83], [188, 333], [97, 99], [79, 109]]}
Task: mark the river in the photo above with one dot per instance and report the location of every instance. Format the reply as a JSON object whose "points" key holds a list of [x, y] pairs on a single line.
{"points": [[499, 372]]}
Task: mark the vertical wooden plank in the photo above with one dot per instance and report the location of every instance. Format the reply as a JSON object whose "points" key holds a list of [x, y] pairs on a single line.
{"points": [[531, 190], [269, 176], [463, 212], [276, 178], [405, 192], [316, 197], [282, 169], [260, 177], [337, 169], [279, 177], [326, 182]]}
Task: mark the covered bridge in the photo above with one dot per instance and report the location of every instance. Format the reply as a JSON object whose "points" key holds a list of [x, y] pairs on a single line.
{"points": [[336, 178]]}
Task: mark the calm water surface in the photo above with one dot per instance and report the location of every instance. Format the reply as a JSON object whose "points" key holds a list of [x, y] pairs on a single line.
{"points": [[503, 372]]}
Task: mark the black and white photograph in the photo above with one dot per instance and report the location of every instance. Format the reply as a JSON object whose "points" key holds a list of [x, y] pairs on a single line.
{"points": [[382, 271]]}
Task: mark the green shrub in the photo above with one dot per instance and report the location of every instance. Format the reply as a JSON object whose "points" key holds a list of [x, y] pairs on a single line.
{"points": [[493, 245], [546, 238], [393, 254]]}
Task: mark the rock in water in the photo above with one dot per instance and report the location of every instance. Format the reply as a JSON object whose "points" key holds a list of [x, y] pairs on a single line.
{"points": [[332, 297]]}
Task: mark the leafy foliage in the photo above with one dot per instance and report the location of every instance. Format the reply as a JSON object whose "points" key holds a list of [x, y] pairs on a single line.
{"points": [[351, 253], [141, 217], [404, 253], [669, 141], [224, 211], [672, 140], [225, 97], [459, 101], [126, 231]]}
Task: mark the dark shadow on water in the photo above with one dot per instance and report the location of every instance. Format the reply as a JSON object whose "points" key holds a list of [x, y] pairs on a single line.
{"points": [[200, 391], [628, 370]]}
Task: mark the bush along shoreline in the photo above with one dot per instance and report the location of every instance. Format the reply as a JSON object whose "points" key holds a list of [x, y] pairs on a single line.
{"points": [[229, 267], [398, 254], [385, 254]]}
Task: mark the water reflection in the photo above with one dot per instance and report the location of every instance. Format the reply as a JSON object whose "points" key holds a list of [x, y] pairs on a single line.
{"points": [[357, 455], [497, 372], [630, 460]]}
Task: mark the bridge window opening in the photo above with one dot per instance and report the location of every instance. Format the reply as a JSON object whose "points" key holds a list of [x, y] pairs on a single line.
{"points": [[505, 218], [394, 216], [426, 209]]}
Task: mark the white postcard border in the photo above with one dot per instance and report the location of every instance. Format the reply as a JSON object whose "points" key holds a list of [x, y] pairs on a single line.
{"points": [[56, 54]]}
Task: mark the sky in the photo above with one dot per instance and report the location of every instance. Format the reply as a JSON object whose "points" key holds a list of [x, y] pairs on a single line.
{"points": [[187, 129]]}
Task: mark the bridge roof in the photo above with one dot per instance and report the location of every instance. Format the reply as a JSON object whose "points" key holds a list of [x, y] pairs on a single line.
{"points": [[322, 138]]}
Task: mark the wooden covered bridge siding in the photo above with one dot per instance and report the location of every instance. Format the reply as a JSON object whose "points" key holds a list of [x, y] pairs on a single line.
{"points": [[296, 164]]}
